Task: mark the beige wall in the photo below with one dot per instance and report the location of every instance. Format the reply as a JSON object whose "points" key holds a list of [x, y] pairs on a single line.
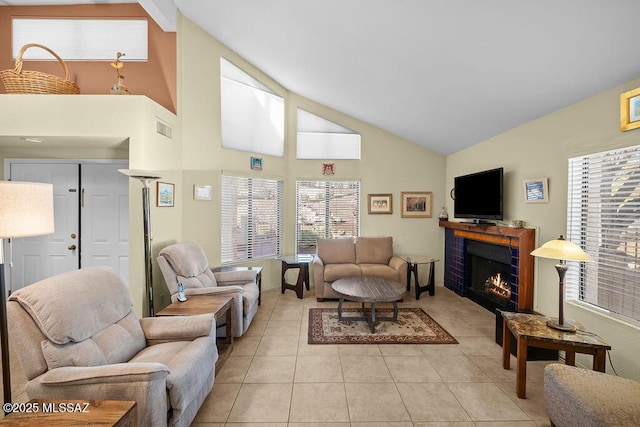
{"points": [[541, 149], [97, 118], [389, 164]]}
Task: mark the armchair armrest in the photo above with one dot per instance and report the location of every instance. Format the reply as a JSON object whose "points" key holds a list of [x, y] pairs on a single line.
{"points": [[178, 328], [115, 373], [225, 278], [396, 263]]}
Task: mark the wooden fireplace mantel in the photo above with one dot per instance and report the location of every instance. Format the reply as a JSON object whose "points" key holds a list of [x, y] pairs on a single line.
{"points": [[521, 238]]}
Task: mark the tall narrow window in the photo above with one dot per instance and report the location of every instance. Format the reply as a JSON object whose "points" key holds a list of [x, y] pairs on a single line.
{"points": [[251, 218], [319, 138], [252, 115], [326, 209], [604, 218]]}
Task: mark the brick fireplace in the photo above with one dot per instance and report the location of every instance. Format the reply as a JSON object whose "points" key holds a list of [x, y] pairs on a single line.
{"points": [[476, 252]]}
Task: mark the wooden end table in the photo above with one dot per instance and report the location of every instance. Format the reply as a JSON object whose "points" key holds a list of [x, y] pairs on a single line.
{"points": [[413, 261], [531, 330], [204, 304], [368, 290], [302, 263], [65, 413]]}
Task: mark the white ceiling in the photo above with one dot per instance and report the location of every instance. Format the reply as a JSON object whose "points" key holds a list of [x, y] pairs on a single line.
{"points": [[446, 74]]}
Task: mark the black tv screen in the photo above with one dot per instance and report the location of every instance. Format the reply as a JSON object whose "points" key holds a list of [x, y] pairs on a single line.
{"points": [[479, 195]]}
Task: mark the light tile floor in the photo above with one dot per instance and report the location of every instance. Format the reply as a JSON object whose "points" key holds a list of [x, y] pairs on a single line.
{"points": [[274, 378]]}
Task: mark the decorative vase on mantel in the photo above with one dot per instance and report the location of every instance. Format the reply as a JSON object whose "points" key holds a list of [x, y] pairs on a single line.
{"points": [[119, 88]]}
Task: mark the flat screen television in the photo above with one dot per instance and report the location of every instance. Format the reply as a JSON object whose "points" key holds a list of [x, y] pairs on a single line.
{"points": [[478, 196]]}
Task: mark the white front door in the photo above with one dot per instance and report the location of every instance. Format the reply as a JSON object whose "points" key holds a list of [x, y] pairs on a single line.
{"points": [[104, 219], [35, 258], [91, 221]]}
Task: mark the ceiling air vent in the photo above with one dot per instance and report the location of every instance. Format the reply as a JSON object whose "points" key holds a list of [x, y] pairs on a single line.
{"points": [[164, 129]]}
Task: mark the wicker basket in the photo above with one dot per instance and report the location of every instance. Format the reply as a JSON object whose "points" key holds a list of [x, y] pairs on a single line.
{"points": [[19, 81]]}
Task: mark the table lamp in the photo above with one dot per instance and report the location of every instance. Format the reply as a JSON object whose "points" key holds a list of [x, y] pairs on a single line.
{"points": [[26, 209], [562, 250]]}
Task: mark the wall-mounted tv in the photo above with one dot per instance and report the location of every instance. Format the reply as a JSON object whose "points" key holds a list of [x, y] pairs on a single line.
{"points": [[478, 196]]}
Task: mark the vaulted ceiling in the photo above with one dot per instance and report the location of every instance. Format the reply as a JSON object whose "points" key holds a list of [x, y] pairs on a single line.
{"points": [[446, 74]]}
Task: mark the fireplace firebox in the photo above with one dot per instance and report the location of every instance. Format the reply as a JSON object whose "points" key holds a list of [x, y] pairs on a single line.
{"points": [[488, 275]]}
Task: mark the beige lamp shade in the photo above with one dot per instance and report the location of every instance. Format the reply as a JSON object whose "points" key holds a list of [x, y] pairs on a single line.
{"points": [[561, 249], [26, 209]]}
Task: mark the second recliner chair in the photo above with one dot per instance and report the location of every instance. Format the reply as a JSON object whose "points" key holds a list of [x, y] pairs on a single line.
{"points": [[187, 263]]}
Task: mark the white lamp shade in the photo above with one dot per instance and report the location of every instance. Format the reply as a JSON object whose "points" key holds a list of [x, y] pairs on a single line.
{"points": [[26, 209], [561, 249]]}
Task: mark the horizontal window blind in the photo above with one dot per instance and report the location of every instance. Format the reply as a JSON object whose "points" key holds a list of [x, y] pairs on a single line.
{"points": [[325, 210], [251, 218], [604, 219], [252, 116], [81, 39]]}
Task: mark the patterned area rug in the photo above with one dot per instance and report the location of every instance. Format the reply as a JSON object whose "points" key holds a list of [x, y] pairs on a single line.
{"points": [[414, 326]]}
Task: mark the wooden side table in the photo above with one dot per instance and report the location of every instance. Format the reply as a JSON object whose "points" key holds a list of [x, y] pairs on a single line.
{"points": [[413, 261], [302, 263], [531, 330], [204, 304], [65, 413]]}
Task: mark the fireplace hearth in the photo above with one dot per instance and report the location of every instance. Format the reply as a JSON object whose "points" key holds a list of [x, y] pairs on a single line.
{"points": [[494, 249]]}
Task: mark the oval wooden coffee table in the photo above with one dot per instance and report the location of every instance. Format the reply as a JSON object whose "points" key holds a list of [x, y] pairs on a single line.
{"points": [[368, 290]]}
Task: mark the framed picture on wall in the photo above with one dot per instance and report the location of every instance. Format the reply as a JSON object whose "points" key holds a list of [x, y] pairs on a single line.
{"points": [[164, 194], [536, 190], [630, 110], [380, 203], [416, 204]]}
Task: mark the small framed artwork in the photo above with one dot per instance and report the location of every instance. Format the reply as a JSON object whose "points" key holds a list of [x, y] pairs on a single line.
{"points": [[630, 110], [536, 190], [256, 163], [164, 194], [328, 169], [416, 204], [203, 192], [380, 203]]}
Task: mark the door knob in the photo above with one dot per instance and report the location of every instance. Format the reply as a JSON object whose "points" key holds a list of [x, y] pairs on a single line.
{"points": [[72, 248]]}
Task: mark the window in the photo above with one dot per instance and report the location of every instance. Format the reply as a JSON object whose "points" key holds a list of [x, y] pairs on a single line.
{"points": [[326, 209], [603, 216], [81, 39], [251, 218], [252, 115], [320, 138]]}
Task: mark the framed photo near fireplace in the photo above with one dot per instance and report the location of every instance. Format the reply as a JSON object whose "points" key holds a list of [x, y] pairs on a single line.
{"points": [[630, 110], [416, 204], [380, 203], [536, 190]]}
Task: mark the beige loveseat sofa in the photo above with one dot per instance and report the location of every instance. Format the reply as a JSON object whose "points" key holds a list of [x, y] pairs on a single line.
{"points": [[349, 257], [77, 337]]}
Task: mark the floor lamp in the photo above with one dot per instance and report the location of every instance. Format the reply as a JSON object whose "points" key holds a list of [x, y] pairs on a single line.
{"points": [[562, 250], [26, 209], [146, 177]]}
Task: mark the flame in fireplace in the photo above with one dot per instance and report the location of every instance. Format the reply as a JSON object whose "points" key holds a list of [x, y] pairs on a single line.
{"points": [[497, 286]]}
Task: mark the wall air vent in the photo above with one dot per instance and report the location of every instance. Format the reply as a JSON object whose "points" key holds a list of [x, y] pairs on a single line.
{"points": [[164, 129]]}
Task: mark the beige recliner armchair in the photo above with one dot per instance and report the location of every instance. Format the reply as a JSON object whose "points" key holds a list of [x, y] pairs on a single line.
{"points": [[77, 337], [187, 263]]}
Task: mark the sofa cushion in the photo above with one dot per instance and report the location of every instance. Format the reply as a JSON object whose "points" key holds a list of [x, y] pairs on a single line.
{"points": [[337, 251], [79, 312], [379, 270], [340, 271], [374, 250]]}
